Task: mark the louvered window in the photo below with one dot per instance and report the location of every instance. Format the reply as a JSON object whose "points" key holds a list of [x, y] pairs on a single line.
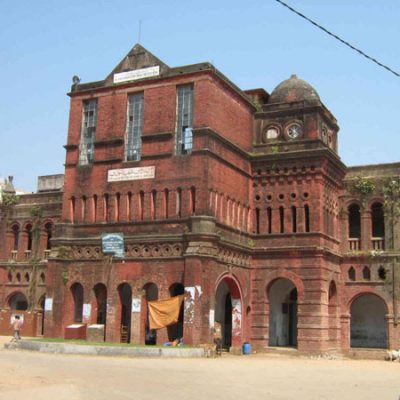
{"points": [[184, 133], [134, 129], [88, 135]]}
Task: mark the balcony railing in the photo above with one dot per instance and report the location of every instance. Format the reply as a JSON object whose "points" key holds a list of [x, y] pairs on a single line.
{"points": [[354, 244], [46, 254], [28, 254], [378, 243], [14, 255]]}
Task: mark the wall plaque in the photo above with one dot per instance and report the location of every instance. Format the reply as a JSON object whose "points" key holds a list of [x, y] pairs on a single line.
{"points": [[137, 74], [131, 174]]}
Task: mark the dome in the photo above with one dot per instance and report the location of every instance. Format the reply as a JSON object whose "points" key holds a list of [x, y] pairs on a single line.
{"points": [[293, 89]]}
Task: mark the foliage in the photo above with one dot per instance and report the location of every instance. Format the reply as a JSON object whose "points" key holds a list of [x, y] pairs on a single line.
{"points": [[36, 212], [274, 149], [64, 252], [65, 277], [364, 186], [391, 194], [10, 199]]}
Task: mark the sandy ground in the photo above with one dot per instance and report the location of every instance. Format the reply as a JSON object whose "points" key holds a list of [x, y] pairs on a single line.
{"points": [[31, 376]]}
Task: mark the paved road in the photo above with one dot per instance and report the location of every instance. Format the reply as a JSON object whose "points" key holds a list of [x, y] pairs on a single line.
{"points": [[31, 376]]}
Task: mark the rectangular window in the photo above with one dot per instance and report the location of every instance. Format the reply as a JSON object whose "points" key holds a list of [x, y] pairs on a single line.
{"points": [[134, 127], [88, 134], [184, 130]]}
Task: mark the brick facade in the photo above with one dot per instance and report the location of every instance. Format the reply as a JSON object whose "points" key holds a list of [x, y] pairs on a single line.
{"points": [[251, 222]]}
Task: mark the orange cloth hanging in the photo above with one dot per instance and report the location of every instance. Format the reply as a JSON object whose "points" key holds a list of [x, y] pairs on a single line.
{"points": [[163, 313]]}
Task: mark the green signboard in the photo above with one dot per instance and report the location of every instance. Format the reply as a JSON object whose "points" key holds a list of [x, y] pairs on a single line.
{"points": [[113, 243]]}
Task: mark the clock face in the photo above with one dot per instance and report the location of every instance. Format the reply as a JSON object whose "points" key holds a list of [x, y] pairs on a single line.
{"points": [[294, 131], [272, 133]]}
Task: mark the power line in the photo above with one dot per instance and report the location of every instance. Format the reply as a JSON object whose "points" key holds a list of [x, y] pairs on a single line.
{"points": [[338, 38]]}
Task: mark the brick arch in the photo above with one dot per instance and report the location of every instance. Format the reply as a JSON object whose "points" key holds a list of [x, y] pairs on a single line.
{"points": [[26, 224], [374, 200], [14, 293], [366, 292], [233, 284], [350, 202], [294, 278]]}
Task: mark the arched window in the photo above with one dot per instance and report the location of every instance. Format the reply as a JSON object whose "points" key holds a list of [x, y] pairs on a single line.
{"points": [[42, 278], [141, 205], [307, 218], [153, 204], [378, 222], [29, 237], [354, 221], [257, 220], [15, 230], [94, 207], [27, 277], [106, 207], [49, 233], [83, 210], [117, 206], [281, 220], [9, 277], [166, 203], [72, 208], [129, 206], [179, 202], [366, 273], [193, 200], [269, 219], [294, 219], [18, 276], [352, 274], [382, 273]]}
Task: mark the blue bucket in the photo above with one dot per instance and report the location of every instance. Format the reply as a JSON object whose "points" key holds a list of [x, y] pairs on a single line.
{"points": [[246, 348]]}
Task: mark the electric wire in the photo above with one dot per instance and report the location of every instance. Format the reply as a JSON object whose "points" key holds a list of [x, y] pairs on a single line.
{"points": [[338, 38]]}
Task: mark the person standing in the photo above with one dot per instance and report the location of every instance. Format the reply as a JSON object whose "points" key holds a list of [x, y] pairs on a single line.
{"points": [[17, 324]]}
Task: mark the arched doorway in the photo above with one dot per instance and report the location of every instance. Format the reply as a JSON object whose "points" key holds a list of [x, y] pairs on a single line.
{"points": [[282, 296], [334, 329], [18, 302], [175, 331], [368, 323], [228, 312], [100, 292], [125, 297], [40, 329], [151, 294], [77, 297]]}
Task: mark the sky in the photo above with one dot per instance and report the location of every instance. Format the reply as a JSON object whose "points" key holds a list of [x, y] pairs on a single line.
{"points": [[255, 43]]}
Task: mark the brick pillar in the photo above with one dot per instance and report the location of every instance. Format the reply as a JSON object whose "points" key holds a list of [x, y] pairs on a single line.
{"points": [[366, 230], [162, 334], [136, 320], [345, 320], [313, 319], [193, 323], [344, 230]]}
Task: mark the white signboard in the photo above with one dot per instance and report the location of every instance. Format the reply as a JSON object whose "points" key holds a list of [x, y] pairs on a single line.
{"points": [[136, 303], [131, 174], [48, 304], [212, 318], [87, 308], [137, 74]]}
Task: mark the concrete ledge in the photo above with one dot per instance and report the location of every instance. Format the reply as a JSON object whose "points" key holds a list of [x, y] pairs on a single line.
{"points": [[71, 348]]}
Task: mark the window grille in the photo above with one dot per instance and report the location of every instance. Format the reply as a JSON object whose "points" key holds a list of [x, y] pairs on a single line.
{"points": [[184, 133], [134, 128], [86, 150]]}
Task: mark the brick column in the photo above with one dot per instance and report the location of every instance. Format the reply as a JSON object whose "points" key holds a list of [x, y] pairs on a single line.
{"points": [[366, 230]]}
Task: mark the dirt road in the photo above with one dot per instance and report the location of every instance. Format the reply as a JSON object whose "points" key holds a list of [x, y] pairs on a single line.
{"points": [[31, 376]]}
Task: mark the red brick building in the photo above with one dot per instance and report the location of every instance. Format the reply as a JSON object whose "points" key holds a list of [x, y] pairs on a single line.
{"points": [[237, 199]]}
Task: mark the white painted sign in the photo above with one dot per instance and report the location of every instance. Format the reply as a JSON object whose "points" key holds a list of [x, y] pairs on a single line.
{"points": [[136, 303], [48, 304], [131, 174], [87, 308], [137, 74]]}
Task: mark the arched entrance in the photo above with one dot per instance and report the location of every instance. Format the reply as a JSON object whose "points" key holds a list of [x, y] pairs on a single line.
{"points": [[100, 293], [77, 297], [282, 296], [334, 329], [228, 312], [40, 328], [368, 326], [175, 331], [151, 294], [125, 297], [18, 302]]}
